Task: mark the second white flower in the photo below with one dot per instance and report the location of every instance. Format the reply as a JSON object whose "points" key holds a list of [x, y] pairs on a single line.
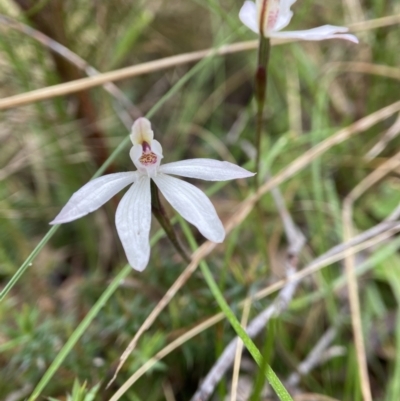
{"points": [[269, 17]]}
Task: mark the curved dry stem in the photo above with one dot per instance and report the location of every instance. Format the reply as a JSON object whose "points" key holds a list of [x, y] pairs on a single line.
{"points": [[390, 134], [349, 262], [365, 68], [313, 359], [161, 64], [127, 109], [120, 74], [239, 350]]}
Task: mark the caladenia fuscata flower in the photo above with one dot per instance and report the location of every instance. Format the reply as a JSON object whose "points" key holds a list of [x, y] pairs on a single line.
{"points": [[133, 217], [269, 17]]}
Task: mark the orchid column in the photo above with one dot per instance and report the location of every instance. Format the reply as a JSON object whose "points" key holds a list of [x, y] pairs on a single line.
{"points": [[267, 18]]}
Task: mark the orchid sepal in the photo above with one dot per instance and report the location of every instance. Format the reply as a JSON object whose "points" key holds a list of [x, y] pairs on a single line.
{"points": [[93, 195]]}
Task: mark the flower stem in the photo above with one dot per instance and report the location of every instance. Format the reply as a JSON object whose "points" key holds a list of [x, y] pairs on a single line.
{"points": [[160, 214], [260, 90]]}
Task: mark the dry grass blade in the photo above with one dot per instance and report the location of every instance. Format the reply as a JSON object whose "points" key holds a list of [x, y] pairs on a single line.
{"points": [[247, 206], [313, 397], [168, 391], [390, 134], [294, 99], [354, 10], [304, 160], [157, 65], [313, 359], [128, 108], [294, 236], [335, 254], [356, 316], [163, 353], [385, 168], [375, 23], [238, 352], [349, 262], [118, 75], [366, 68], [362, 241], [179, 282]]}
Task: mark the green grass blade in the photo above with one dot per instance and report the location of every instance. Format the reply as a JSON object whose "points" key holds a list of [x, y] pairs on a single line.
{"points": [[76, 335], [27, 263], [272, 378]]}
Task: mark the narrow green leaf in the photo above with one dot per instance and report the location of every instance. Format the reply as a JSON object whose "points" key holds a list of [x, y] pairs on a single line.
{"points": [[76, 335], [272, 378]]}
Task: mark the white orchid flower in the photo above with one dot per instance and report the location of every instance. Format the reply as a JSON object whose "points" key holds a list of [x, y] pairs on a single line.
{"points": [[269, 17], [133, 217]]}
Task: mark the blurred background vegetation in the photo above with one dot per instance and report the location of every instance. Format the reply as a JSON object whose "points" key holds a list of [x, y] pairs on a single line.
{"points": [[49, 149]]}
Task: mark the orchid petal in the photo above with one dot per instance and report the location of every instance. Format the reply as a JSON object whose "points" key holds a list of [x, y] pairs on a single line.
{"points": [[133, 221], [205, 169], [320, 33], [285, 14], [93, 195], [157, 148], [248, 15], [135, 153], [193, 205]]}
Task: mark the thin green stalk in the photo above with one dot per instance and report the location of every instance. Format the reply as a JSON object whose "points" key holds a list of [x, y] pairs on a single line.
{"points": [[272, 378], [259, 382], [27, 263], [76, 335], [260, 91]]}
